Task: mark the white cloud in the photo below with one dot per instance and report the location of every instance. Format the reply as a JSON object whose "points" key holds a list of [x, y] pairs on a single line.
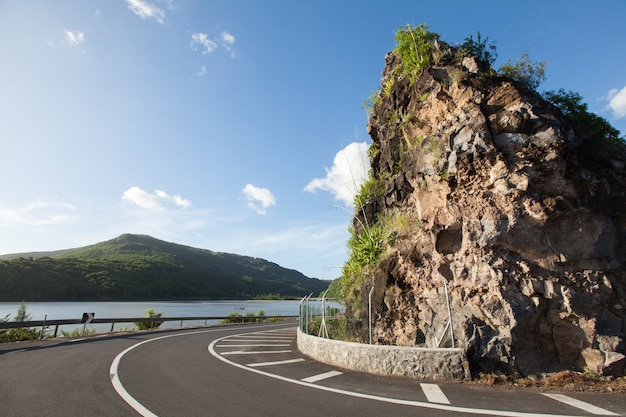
{"points": [[258, 199], [146, 10], [38, 214], [155, 201], [228, 41], [202, 71], [74, 38], [617, 102], [343, 180], [202, 41], [227, 38]]}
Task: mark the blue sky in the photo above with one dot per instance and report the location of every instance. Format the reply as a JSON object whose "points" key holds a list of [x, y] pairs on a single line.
{"points": [[235, 126]]}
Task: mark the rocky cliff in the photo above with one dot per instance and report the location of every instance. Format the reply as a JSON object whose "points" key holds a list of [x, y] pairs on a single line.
{"points": [[501, 199]]}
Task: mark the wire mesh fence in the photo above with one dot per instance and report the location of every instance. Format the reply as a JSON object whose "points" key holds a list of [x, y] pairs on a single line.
{"points": [[433, 326]]}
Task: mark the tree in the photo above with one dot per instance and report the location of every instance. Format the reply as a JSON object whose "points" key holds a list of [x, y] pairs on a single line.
{"points": [[479, 49], [572, 106], [529, 73], [22, 314]]}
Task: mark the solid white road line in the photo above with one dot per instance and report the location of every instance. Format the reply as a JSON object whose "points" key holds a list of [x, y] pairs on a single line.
{"points": [[434, 394], [253, 352], [590, 408], [325, 375], [256, 365]]}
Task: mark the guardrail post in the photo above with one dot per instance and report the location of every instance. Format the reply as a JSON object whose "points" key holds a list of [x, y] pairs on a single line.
{"points": [[43, 326]]}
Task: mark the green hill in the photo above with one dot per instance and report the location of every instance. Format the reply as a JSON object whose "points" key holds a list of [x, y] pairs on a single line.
{"points": [[139, 267]]}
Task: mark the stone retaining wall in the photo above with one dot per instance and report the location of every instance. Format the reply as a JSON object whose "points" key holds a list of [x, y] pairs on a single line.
{"points": [[421, 363]]}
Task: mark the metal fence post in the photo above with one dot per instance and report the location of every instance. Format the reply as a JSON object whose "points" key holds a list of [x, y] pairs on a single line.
{"points": [[370, 312], [449, 312]]}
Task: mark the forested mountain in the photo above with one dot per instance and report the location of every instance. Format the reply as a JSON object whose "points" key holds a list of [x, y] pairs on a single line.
{"points": [[139, 267]]}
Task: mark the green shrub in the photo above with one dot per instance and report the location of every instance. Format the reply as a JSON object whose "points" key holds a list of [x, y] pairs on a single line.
{"points": [[148, 325], [370, 189], [530, 74], [370, 102], [414, 46], [248, 318], [77, 332], [479, 49], [572, 106], [21, 333]]}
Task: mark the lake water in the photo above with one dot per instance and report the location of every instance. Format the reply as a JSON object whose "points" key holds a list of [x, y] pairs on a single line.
{"points": [[130, 309]]}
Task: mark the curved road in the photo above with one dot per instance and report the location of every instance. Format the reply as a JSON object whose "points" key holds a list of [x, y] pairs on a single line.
{"points": [[241, 370]]}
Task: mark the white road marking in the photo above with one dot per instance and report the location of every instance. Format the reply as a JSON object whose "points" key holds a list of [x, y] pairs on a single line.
{"points": [[434, 394], [320, 377], [143, 411], [420, 404], [258, 340], [590, 408], [255, 365], [253, 352], [119, 387], [252, 345]]}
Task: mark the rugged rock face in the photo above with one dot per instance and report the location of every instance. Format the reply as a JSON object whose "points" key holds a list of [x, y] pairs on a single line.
{"points": [[521, 216]]}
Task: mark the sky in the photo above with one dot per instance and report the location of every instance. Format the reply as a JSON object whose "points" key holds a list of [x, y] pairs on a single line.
{"points": [[236, 126]]}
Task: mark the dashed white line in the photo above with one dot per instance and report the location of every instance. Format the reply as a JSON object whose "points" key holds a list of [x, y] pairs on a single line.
{"points": [[258, 340], [255, 365], [252, 345], [253, 352], [434, 394], [320, 377], [590, 408]]}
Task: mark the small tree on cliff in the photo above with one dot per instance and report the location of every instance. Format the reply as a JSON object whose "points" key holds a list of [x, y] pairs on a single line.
{"points": [[572, 106], [529, 73]]}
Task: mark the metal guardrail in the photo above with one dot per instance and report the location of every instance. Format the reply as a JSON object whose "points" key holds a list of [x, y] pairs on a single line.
{"points": [[48, 323]]}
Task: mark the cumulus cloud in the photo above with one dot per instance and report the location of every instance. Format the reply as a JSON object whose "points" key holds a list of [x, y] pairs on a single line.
{"points": [[146, 10], [74, 38], [617, 102], [259, 199], [343, 180], [154, 201], [201, 41]]}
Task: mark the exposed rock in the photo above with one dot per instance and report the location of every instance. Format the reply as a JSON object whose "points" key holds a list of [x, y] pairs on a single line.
{"points": [[520, 215]]}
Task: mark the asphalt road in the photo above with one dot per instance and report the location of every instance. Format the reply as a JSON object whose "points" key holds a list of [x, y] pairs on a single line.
{"points": [[241, 370]]}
